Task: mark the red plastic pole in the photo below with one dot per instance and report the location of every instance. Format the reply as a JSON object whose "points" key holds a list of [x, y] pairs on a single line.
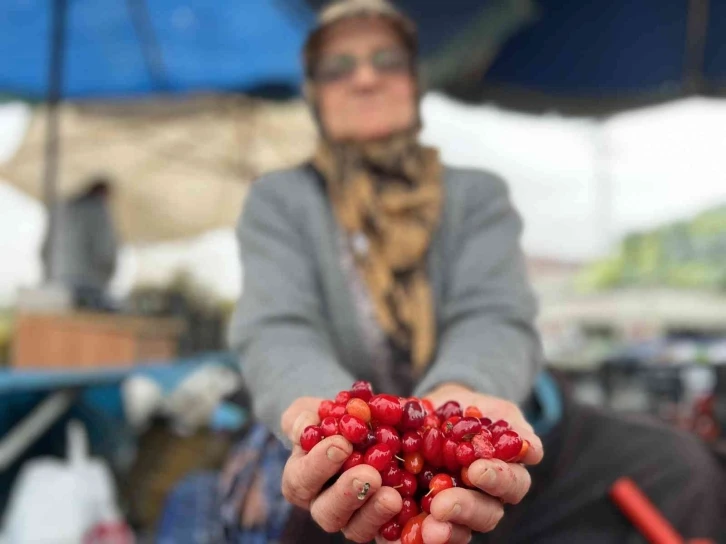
{"points": [[642, 513]]}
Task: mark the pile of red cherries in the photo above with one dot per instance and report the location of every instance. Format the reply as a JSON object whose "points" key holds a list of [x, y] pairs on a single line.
{"points": [[420, 451]]}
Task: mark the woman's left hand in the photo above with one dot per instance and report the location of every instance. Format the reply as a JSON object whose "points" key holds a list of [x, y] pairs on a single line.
{"points": [[455, 513]]}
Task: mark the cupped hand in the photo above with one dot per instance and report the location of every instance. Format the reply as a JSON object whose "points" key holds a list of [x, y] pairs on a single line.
{"points": [[456, 513], [356, 503]]}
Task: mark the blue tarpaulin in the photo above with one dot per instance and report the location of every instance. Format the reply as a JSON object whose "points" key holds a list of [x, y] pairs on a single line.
{"points": [[133, 47], [121, 48]]}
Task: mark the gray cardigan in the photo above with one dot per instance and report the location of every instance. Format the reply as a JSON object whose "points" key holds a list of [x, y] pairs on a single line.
{"points": [[296, 327]]}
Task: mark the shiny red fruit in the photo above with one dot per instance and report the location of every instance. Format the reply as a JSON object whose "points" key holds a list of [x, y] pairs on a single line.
{"points": [[483, 448], [409, 510], [391, 476], [353, 460], [449, 455], [310, 437], [353, 429], [362, 390], [385, 434], [413, 462], [343, 397], [428, 406], [367, 442], [433, 445], [465, 429], [497, 428], [412, 532], [439, 483], [465, 454], [485, 421], [386, 409], [324, 409], [413, 416], [508, 446], [426, 501], [411, 442], [425, 476], [408, 485], [337, 411], [431, 421], [359, 408], [391, 531], [473, 411], [378, 456], [449, 409], [448, 426], [329, 426]]}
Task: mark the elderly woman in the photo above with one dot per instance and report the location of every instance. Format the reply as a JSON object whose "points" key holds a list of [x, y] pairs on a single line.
{"points": [[375, 261]]}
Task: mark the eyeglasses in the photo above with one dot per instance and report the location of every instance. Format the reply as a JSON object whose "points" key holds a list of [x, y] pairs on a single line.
{"points": [[335, 68]]}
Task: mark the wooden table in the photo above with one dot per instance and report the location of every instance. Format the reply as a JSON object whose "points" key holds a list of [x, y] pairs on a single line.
{"points": [[90, 340]]}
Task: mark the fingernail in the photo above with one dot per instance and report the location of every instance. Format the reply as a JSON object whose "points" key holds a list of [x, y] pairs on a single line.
{"points": [[336, 455], [362, 488], [487, 479], [453, 512]]}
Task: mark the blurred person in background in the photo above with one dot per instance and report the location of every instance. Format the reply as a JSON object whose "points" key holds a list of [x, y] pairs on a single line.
{"points": [[85, 246], [375, 261]]}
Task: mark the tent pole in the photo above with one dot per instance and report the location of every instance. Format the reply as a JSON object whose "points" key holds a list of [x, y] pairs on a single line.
{"points": [[56, 54]]}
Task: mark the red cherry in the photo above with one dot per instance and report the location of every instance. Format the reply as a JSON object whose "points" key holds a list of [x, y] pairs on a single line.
{"points": [[448, 426], [310, 437], [413, 462], [391, 476], [412, 532], [473, 411], [483, 448], [386, 409], [343, 397], [411, 442], [431, 421], [353, 429], [465, 454], [324, 409], [425, 476], [465, 477], [408, 485], [413, 416], [385, 434], [362, 390], [391, 531], [449, 455], [508, 446], [337, 411], [426, 503], [359, 409], [465, 429], [432, 449], [497, 428], [378, 456], [523, 451], [449, 409], [329, 426], [428, 406], [355, 459], [439, 483], [409, 510]]}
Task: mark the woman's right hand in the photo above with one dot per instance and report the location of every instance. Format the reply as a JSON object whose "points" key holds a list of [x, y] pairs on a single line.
{"points": [[356, 503]]}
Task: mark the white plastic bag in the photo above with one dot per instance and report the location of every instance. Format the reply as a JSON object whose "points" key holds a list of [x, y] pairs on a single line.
{"points": [[59, 502]]}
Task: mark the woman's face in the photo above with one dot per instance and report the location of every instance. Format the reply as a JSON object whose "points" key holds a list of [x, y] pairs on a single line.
{"points": [[364, 83]]}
